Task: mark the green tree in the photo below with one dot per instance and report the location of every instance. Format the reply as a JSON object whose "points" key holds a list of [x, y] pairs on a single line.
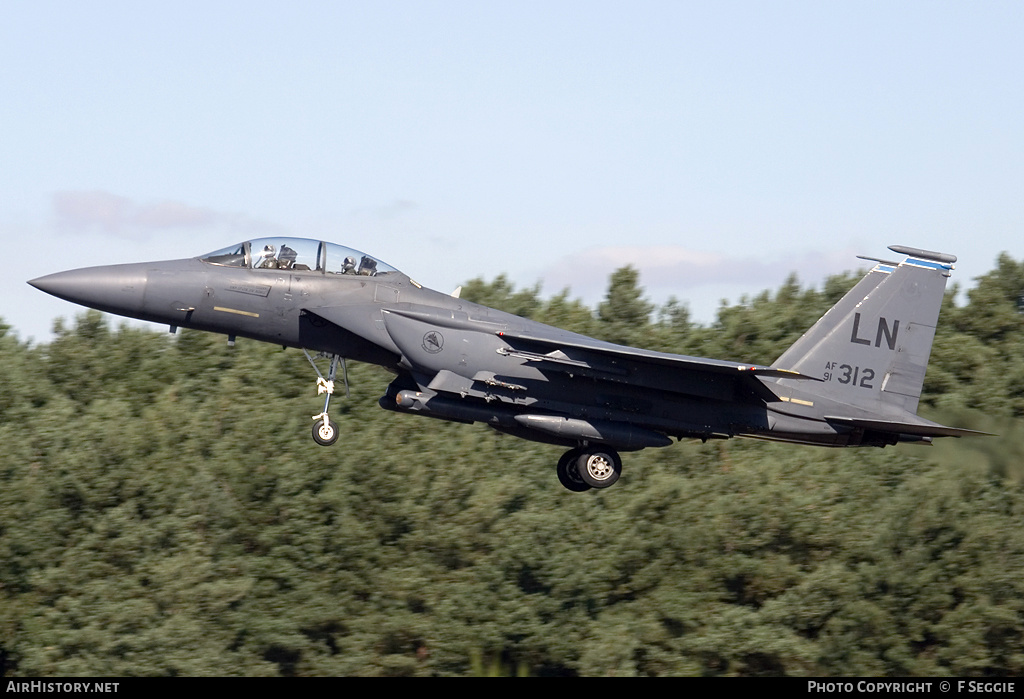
{"points": [[163, 512], [625, 315]]}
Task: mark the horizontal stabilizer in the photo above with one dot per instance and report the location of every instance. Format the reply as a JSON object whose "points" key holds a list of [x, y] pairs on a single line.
{"points": [[925, 428]]}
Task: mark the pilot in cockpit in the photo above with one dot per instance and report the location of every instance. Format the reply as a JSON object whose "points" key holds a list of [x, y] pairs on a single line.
{"points": [[367, 266], [267, 261], [349, 266], [286, 259]]}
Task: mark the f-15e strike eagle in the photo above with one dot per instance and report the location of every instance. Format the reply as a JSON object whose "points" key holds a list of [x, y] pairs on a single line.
{"points": [[853, 379]]}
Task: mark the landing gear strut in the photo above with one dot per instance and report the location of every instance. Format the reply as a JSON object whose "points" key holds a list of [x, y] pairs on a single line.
{"points": [[325, 430], [589, 467]]}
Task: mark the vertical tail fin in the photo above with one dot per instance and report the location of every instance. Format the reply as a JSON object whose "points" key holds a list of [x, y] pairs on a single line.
{"points": [[871, 349]]}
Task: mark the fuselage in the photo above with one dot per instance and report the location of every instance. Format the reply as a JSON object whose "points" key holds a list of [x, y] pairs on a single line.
{"points": [[452, 346], [458, 360]]}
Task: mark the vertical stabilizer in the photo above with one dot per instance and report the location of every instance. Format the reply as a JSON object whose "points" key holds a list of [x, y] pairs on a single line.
{"points": [[871, 349]]}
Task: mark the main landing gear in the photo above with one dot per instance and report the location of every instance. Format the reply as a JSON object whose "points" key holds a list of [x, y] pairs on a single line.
{"points": [[325, 430], [589, 467]]}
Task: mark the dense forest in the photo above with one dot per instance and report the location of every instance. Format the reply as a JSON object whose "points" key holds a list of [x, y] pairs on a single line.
{"points": [[163, 511]]}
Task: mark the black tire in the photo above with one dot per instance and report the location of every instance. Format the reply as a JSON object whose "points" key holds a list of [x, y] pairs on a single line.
{"points": [[599, 467], [325, 434], [568, 476]]}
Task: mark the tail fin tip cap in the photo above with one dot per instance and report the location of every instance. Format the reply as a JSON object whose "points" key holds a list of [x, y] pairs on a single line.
{"points": [[924, 254]]}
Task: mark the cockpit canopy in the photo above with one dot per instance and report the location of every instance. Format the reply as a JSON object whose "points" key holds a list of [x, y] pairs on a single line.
{"points": [[298, 254]]}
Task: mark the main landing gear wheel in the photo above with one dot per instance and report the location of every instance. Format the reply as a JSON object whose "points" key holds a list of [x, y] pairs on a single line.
{"points": [[599, 467], [568, 476], [325, 431]]}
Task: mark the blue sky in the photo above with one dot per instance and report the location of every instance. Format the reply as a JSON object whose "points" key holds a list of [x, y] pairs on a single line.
{"points": [[716, 146]]}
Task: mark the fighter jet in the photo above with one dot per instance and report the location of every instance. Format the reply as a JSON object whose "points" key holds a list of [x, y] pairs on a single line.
{"points": [[853, 379]]}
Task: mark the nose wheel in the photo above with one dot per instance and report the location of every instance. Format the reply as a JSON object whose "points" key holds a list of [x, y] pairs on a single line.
{"points": [[325, 430]]}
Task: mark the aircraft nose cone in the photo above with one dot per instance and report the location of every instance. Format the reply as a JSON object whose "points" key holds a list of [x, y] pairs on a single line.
{"points": [[114, 288], [65, 285]]}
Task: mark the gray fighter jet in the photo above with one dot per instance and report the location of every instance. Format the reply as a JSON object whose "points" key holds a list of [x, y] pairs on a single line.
{"points": [[854, 379]]}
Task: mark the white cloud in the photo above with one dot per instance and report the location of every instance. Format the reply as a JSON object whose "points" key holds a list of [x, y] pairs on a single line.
{"points": [[105, 213]]}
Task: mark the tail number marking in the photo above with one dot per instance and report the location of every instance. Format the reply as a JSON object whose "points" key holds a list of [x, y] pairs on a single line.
{"points": [[861, 377], [884, 330]]}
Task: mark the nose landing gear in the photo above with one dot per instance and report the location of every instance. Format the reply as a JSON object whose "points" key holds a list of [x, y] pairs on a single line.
{"points": [[325, 430]]}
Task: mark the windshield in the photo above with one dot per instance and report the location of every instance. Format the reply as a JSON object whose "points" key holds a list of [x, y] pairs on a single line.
{"points": [[299, 254]]}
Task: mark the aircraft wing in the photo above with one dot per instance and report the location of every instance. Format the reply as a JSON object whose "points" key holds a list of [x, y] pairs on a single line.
{"points": [[570, 352], [551, 349]]}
